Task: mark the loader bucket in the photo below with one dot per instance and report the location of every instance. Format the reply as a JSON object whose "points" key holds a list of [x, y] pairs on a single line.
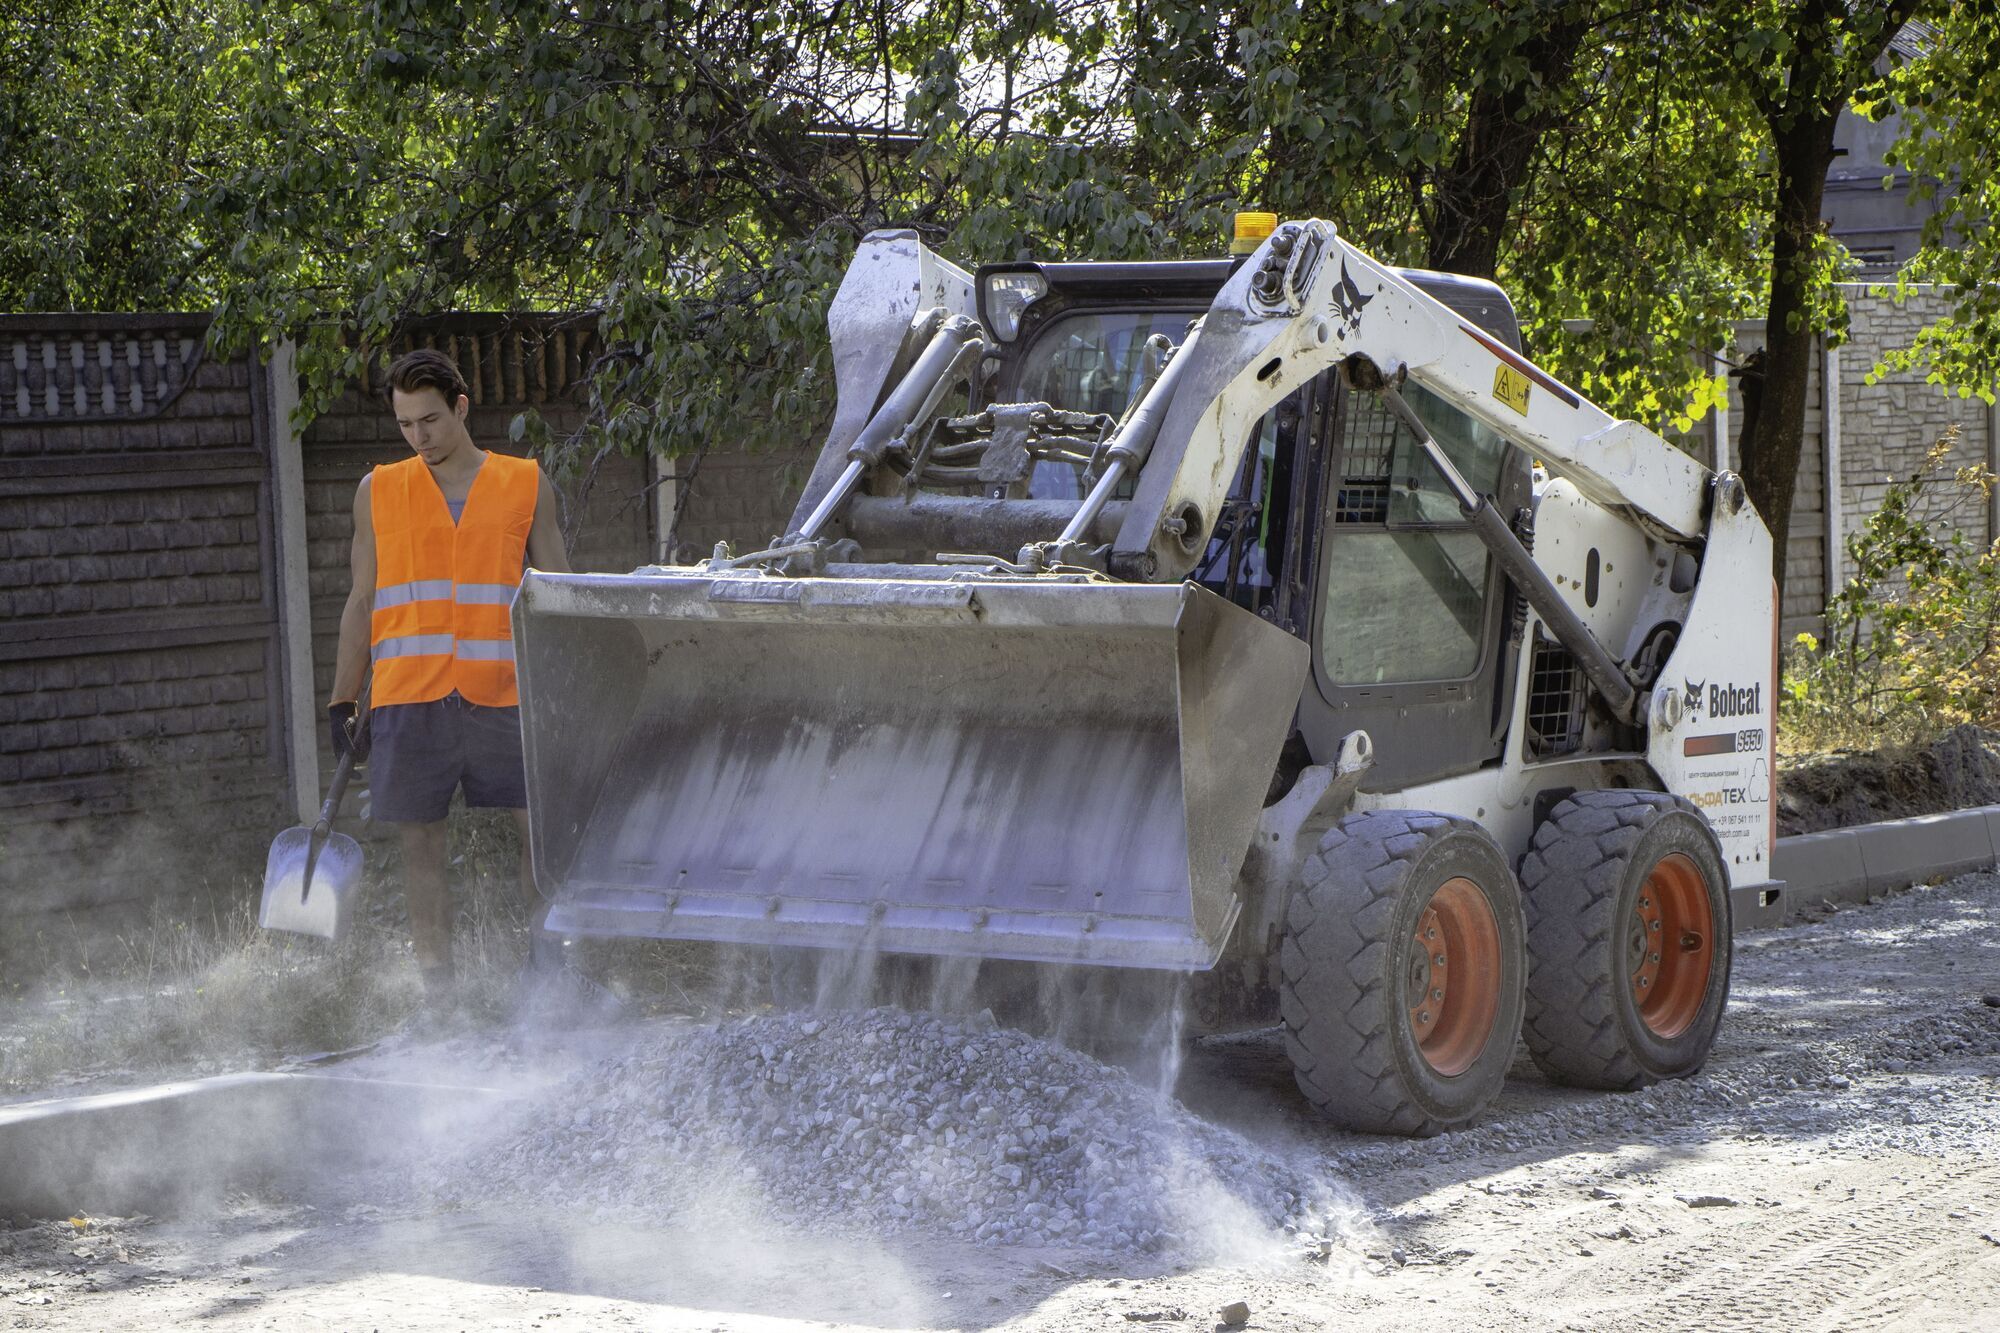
{"points": [[1034, 769]]}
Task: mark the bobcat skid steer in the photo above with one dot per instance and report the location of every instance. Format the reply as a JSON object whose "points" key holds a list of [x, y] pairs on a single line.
{"points": [[1273, 622]]}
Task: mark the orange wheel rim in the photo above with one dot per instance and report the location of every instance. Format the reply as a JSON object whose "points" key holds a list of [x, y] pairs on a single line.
{"points": [[1670, 946], [1453, 985]]}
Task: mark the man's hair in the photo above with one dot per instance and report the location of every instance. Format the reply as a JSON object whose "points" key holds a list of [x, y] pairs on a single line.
{"points": [[426, 369]]}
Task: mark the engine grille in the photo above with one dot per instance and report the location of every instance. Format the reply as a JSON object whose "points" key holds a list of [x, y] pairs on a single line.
{"points": [[1555, 701]]}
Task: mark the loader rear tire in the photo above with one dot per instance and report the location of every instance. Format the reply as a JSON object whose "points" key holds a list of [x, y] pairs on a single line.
{"points": [[1610, 878], [1402, 971]]}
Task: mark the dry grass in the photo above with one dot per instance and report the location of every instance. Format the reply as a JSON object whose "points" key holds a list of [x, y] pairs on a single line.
{"points": [[1807, 736], [193, 985], [203, 994]]}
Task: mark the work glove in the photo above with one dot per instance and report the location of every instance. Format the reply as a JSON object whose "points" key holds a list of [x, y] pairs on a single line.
{"points": [[348, 733]]}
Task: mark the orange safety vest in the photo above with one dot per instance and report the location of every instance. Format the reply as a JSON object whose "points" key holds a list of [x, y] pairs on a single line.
{"points": [[443, 589]]}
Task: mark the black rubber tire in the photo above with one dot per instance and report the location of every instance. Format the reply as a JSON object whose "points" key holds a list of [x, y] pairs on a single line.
{"points": [[1348, 945], [1580, 880]]}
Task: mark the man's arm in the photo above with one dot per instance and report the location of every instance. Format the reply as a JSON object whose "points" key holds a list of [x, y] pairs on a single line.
{"points": [[545, 540], [351, 660]]}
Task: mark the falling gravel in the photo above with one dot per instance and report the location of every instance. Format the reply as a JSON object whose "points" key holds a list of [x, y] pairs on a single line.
{"points": [[894, 1121]]}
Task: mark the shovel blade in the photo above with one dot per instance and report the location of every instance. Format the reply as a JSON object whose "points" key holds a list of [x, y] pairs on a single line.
{"points": [[322, 906]]}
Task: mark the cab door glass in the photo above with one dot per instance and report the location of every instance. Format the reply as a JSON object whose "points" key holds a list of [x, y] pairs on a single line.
{"points": [[1405, 578], [1418, 494]]}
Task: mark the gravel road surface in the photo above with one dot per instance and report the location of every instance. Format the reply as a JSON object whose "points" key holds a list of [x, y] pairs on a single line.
{"points": [[1837, 1166]]}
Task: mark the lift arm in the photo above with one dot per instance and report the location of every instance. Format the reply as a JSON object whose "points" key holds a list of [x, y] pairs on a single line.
{"points": [[1307, 301]]}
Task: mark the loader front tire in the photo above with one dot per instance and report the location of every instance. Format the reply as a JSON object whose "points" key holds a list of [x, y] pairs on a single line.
{"points": [[1628, 940], [1402, 972]]}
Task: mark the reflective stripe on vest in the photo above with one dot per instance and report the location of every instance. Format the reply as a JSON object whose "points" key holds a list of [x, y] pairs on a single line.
{"points": [[443, 590], [412, 645], [418, 590], [485, 594]]}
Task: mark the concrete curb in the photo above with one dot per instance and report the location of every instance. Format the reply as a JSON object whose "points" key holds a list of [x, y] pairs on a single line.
{"points": [[175, 1145], [1852, 865]]}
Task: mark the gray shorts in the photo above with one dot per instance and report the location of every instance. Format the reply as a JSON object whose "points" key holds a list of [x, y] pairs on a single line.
{"points": [[420, 753]]}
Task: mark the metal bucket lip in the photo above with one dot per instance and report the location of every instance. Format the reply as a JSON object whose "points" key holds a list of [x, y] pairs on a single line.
{"points": [[695, 595], [615, 911]]}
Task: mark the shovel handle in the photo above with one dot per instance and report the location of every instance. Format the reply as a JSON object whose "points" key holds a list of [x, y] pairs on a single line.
{"points": [[345, 770], [333, 795]]}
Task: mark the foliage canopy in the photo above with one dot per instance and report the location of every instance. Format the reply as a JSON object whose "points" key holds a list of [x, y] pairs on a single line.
{"points": [[697, 172]]}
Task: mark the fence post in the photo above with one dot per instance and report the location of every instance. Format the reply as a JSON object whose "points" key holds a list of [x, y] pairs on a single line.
{"points": [[1993, 466], [660, 471], [1719, 430], [1829, 383], [288, 488]]}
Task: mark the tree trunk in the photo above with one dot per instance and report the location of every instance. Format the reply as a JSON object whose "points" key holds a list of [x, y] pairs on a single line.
{"points": [[1473, 197], [1821, 78], [1772, 443]]}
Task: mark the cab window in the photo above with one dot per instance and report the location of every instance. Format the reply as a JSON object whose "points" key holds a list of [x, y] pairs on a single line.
{"points": [[1405, 578], [1095, 362], [1090, 362]]}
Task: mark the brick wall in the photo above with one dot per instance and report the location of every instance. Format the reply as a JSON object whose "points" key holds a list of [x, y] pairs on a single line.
{"points": [[138, 665], [741, 498], [1885, 430], [1888, 427]]}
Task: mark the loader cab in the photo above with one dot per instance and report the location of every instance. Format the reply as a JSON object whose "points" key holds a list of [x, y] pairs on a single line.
{"points": [[1334, 527], [1408, 616], [1074, 336]]}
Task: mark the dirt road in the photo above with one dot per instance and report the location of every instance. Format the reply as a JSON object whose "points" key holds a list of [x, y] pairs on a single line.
{"points": [[1837, 1166]]}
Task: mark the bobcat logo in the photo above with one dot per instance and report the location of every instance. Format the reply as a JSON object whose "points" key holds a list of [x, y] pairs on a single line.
{"points": [[1348, 301], [1691, 692]]}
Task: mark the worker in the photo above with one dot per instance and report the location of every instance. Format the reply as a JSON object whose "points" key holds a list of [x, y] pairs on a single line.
{"points": [[440, 542]]}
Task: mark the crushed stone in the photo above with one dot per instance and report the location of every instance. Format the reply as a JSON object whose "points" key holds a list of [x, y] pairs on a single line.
{"points": [[890, 1121]]}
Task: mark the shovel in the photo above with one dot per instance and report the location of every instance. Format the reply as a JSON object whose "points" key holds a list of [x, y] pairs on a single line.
{"points": [[312, 874]]}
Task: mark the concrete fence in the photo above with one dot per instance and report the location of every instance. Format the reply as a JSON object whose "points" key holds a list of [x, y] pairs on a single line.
{"points": [[173, 560]]}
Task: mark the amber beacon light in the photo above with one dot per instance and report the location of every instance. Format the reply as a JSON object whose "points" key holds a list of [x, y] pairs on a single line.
{"points": [[1251, 231]]}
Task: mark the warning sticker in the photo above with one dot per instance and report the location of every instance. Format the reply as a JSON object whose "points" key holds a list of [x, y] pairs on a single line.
{"points": [[1510, 386]]}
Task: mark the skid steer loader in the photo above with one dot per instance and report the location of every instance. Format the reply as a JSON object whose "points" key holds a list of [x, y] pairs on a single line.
{"points": [[1272, 621]]}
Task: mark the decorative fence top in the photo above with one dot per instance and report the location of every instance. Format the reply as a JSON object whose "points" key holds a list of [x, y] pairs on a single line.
{"points": [[506, 359], [95, 368]]}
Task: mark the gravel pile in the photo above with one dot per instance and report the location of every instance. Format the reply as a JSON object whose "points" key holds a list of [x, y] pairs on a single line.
{"points": [[891, 1121]]}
